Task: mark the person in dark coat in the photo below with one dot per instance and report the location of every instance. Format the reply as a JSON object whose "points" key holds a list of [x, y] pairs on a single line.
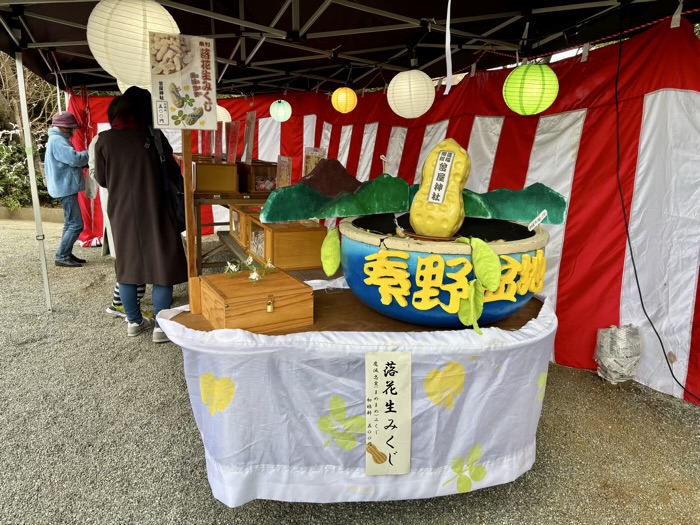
{"points": [[145, 232]]}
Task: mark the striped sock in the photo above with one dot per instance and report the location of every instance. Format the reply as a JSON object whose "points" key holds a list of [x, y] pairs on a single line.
{"points": [[116, 298]]}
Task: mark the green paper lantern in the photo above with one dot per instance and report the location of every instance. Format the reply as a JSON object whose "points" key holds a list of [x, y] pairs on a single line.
{"points": [[531, 89], [280, 110]]}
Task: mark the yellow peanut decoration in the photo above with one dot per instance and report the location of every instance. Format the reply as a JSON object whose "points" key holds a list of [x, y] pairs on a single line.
{"points": [[217, 394], [445, 386], [377, 455], [438, 208]]}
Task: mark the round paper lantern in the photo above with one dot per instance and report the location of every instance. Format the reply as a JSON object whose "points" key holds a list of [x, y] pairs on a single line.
{"points": [[344, 100], [117, 33], [530, 89], [123, 87], [411, 93], [222, 114], [280, 110]]}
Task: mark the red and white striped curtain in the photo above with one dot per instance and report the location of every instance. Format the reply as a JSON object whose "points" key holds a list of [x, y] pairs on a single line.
{"points": [[572, 148]]}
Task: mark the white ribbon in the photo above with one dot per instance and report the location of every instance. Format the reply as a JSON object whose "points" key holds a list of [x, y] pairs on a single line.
{"points": [[448, 50]]}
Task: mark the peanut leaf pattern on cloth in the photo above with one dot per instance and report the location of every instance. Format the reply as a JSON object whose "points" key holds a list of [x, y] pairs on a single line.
{"points": [[467, 470], [340, 427], [542, 384], [217, 394], [445, 386]]}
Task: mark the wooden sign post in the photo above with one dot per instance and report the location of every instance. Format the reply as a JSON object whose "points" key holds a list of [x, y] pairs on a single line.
{"points": [[191, 233]]}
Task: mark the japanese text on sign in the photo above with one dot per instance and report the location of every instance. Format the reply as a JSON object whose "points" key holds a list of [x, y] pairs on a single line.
{"points": [[388, 414], [388, 271], [441, 177]]}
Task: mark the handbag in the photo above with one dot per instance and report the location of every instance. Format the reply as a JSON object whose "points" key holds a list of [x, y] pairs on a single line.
{"points": [[174, 191]]}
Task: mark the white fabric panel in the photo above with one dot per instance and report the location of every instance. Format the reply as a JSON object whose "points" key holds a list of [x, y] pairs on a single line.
{"points": [[266, 442], [344, 149], [434, 135], [326, 136], [309, 131], [394, 152], [174, 136], [269, 139], [483, 144], [665, 235], [369, 138], [553, 163], [221, 214]]}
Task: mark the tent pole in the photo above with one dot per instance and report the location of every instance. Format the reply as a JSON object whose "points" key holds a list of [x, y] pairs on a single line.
{"points": [[27, 134], [58, 95]]}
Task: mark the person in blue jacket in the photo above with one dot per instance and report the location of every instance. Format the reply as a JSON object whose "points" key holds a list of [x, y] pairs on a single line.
{"points": [[64, 179]]}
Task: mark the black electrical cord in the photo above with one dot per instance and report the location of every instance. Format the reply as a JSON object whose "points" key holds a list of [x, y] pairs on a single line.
{"points": [[624, 214]]}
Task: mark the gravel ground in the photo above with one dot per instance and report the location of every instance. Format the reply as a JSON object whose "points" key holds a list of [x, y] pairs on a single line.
{"points": [[97, 428]]}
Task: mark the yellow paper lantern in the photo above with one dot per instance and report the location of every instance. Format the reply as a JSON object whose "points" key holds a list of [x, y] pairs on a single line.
{"points": [[531, 89], [117, 34], [344, 100], [411, 93], [280, 110]]}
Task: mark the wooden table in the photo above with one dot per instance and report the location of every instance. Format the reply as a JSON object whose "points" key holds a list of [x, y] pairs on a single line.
{"points": [[342, 311]]}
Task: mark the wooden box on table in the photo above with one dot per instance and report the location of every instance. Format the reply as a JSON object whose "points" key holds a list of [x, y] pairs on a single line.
{"points": [[258, 177], [288, 245], [215, 178], [275, 302]]}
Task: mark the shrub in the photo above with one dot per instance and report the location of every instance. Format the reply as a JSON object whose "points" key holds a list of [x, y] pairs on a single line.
{"points": [[15, 189]]}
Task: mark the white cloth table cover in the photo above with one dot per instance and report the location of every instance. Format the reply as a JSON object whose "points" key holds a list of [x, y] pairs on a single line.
{"points": [[263, 441]]}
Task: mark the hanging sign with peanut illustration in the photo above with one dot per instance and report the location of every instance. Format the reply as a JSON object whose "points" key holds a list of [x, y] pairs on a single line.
{"points": [[183, 81], [388, 413]]}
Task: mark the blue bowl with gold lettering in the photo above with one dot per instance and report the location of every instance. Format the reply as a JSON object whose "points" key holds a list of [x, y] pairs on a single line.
{"points": [[423, 281]]}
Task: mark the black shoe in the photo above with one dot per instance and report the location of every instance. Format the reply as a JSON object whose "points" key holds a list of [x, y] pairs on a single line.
{"points": [[69, 263], [76, 259]]}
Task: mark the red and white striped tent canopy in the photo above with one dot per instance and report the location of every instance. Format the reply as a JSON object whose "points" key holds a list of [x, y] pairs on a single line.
{"points": [[572, 148]]}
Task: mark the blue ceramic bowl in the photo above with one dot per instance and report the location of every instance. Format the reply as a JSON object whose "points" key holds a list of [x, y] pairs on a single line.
{"points": [[358, 244]]}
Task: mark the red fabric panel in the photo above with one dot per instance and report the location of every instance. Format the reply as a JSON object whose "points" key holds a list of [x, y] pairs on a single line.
{"points": [[411, 154], [380, 148], [692, 381], [460, 129], [358, 133], [334, 146], [513, 154], [293, 144], [93, 227], [593, 257]]}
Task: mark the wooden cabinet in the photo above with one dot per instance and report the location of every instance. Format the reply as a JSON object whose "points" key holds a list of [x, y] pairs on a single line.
{"points": [[239, 227], [211, 177], [290, 245], [258, 177], [215, 178]]}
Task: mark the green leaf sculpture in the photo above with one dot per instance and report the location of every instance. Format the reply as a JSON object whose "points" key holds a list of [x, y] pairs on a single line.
{"points": [[471, 308], [330, 252], [487, 264]]}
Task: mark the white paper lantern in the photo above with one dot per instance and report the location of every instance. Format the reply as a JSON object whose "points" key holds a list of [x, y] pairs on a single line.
{"points": [[123, 87], [280, 110], [117, 33], [411, 93], [222, 114]]}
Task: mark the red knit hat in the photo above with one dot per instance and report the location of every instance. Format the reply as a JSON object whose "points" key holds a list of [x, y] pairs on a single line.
{"points": [[65, 120]]}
